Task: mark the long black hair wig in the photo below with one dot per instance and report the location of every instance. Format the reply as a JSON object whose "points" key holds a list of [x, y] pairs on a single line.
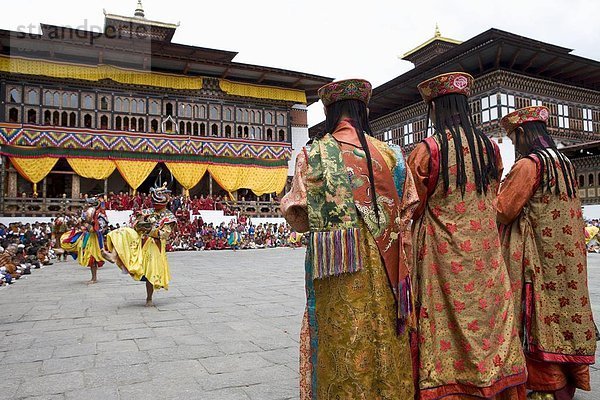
{"points": [[356, 113], [536, 139], [451, 114]]}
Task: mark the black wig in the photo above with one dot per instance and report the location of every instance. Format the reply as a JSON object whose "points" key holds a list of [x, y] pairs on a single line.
{"points": [[536, 139], [452, 113]]}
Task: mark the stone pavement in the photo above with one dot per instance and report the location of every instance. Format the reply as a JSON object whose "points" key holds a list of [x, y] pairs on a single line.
{"points": [[227, 329]]}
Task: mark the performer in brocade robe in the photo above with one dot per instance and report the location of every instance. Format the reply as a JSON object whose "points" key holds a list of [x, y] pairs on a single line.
{"points": [[544, 247], [467, 343], [140, 252], [88, 238], [355, 197]]}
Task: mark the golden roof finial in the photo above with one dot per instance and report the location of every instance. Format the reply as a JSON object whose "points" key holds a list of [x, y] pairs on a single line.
{"points": [[437, 31], [139, 11]]}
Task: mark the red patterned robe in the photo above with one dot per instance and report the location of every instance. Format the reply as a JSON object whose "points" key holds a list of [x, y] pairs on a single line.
{"points": [[467, 343], [544, 247]]}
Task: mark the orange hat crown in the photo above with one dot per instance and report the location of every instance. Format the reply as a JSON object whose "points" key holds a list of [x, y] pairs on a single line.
{"points": [[452, 82], [348, 89], [512, 121]]}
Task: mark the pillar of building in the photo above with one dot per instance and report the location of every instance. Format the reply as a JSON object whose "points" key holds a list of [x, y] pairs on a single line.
{"points": [[12, 183], [75, 187]]}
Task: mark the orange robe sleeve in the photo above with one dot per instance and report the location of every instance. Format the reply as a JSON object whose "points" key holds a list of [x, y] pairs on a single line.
{"points": [[294, 205], [418, 164], [516, 190]]}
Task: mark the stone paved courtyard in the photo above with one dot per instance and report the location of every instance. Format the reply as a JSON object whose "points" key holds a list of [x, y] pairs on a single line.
{"points": [[227, 329]]}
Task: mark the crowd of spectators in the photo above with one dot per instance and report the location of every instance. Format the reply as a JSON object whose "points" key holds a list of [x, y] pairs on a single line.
{"points": [[23, 247], [125, 201], [238, 234]]}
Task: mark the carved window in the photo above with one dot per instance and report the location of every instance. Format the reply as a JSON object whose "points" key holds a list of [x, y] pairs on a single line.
{"points": [[13, 115], [169, 109], [118, 104], [489, 108], [588, 126], [134, 124], [154, 126], [195, 131], [74, 103], [103, 103], [581, 181], [214, 112], [118, 123], [507, 104], [64, 119], [56, 118], [269, 134], [104, 122], [228, 114], [141, 106], [281, 135], [408, 136], [32, 96], [536, 103], [154, 107], [125, 123], [47, 117], [239, 131], [88, 102], [387, 135], [280, 120], [591, 180], [214, 129], [126, 105], [72, 120], [202, 129], [14, 95], [31, 117], [48, 98], [141, 124], [563, 116], [202, 112], [269, 118], [182, 127], [87, 121]]}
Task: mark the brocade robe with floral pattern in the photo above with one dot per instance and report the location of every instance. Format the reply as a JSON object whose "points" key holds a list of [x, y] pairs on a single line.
{"points": [[353, 337], [543, 244], [467, 337]]}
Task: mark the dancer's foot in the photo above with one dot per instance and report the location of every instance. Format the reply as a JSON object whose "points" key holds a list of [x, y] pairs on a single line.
{"points": [[149, 303], [108, 256], [91, 282]]}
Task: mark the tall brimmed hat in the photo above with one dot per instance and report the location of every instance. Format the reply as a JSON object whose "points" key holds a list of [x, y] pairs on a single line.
{"points": [[348, 89], [450, 83], [512, 121]]}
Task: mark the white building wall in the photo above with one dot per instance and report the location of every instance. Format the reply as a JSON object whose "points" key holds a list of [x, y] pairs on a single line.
{"points": [[299, 139], [507, 152]]}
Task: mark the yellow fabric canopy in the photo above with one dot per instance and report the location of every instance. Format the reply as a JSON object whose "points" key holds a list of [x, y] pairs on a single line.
{"points": [[97, 72], [187, 174], [92, 168], [34, 169], [259, 180], [135, 172]]}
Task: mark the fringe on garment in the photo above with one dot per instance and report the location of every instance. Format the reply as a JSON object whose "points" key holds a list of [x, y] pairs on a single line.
{"points": [[405, 304], [335, 252]]}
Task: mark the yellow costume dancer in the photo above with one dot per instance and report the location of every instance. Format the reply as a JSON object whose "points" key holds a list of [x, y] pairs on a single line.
{"points": [[140, 251], [89, 240]]}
